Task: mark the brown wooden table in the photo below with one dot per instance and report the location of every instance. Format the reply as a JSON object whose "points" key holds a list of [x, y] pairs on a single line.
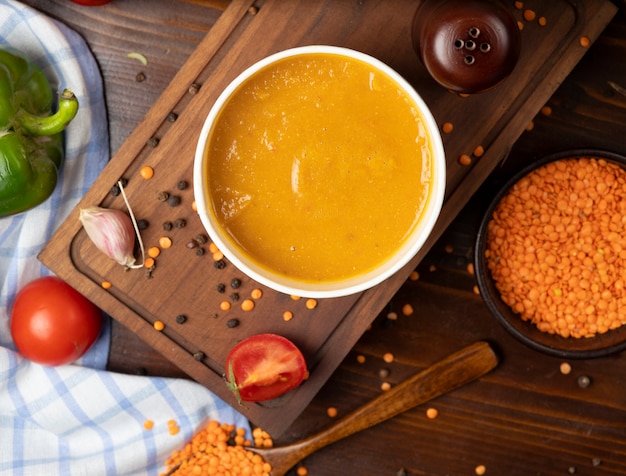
{"points": [[526, 417]]}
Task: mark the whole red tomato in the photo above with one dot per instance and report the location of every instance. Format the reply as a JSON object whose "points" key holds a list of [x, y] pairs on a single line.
{"points": [[263, 367], [52, 323], [91, 3]]}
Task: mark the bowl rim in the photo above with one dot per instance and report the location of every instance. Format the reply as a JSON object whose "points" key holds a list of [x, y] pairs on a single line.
{"points": [[524, 331], [337, 288]]}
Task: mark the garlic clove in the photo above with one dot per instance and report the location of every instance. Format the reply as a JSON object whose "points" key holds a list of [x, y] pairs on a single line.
{"points": [[111, 231]]}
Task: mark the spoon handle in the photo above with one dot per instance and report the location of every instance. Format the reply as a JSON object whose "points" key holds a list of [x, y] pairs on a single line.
{"points": [[444, 376]]}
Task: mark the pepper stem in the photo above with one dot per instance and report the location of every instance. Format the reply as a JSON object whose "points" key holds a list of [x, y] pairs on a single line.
{"points": [[54, 124]]}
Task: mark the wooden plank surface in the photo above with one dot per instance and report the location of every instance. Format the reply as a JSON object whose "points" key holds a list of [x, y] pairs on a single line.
{"points": [[185, 283]]}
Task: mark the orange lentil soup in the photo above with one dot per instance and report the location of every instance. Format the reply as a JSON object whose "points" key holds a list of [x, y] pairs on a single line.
{"points": [[319, 167], [556, 250]]}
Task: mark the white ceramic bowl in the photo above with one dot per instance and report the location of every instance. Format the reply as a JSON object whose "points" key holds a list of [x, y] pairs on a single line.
{"points": [[303, 287]]}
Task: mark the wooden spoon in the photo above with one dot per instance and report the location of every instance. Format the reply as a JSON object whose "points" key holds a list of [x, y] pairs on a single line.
{"points": [[450, 373]]}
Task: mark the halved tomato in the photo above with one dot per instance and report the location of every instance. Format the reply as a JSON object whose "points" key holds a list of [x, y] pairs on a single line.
{"points": [[263, 367]]}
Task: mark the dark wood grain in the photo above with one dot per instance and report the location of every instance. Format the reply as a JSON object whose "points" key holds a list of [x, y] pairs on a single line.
{"points": [[525, 418]]}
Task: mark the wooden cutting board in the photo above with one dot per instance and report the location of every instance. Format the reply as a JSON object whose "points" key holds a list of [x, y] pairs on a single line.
{"points": [[186, 283]]}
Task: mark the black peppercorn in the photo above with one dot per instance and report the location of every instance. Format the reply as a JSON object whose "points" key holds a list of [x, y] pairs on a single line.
{"points": [[142, 224], [182, 185], [199, 251], [201, 239], [234, 297], [181, 319], [167, 225], [173, 201], [221, 288], [115, 190], [232, 323], [235, 283], [180, 223], [220, 264], [198, 356], [153, 141], [172, 116], [162, 196], [140, 77]]}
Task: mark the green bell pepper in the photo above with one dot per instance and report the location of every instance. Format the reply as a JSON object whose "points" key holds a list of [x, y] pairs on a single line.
{"points": [[31, 135]]}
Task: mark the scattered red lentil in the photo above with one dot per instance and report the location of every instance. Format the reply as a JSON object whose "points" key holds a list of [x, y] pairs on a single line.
{"points": [[158, 325], [287, 316], [414, 276], [194, 206], [543, 21], [520, 25], [385, 386], [449, 249], [256, 294], [529, 15], [154, 251], [360, 359], [432, 413], [302, 471], [146, 172], [218, 255], [225, 305], [546, 110], [479, 151], [172, 427], [565, 368], [464, 95], [465, 159], [470, 268], [407, 309], [447, 127], [213, 248], [392, 316], [475, 290], [530, 126], [519, 5], [247, 305], [480, 469], [388, 357], [311, 303], [106, 284], [148, 424], [295, 298], [149, 262], [165, 242], [331, 412], [584, 41]]}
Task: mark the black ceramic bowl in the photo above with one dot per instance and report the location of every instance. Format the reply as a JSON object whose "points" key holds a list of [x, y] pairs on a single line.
{"points": [[553, 344]]}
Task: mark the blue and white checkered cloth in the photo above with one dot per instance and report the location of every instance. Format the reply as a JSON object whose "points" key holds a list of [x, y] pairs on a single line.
{"points": [[78, 419]]}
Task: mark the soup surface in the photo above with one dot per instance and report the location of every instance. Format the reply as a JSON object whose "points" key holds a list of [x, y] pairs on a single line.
{"points": [[319, 167]]}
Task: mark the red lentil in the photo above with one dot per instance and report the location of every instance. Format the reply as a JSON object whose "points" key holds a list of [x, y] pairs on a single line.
{"points": [[414, 276], [154, 251], [247, 305], [565, 368], [331, 412], [479, 151], [158, 325], [465, 160], [146, 172], [407, 310], [480, 469], [225, 305], [360, 359], [447, 127], [555, 248], [148, 262], [519, 5], [106, 284], [148, 424], [210, 452], [311, 303], [584, 41], [302, 471], [165, 242], [256, 294], [529, 15], [432, 413], [388, 357], [287, 316], [542, 21], [385, 386]]}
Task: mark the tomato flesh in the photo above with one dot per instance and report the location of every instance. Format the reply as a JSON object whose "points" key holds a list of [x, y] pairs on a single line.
{"points": [[52, 323], [264, 366]]}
